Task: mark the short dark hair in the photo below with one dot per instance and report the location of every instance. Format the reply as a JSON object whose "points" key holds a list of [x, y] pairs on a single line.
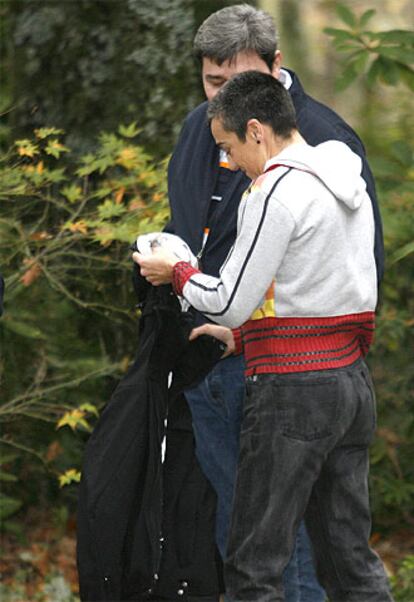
{"points": [[253, 95], [234, 29]]}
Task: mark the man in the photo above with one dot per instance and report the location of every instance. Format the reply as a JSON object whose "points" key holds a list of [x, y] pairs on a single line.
{"points": [[204, 196], [299, 290]]}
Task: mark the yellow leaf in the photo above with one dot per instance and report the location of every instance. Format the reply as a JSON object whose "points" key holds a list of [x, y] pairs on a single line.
{"points": [[124, 363], [70, 476], [79, 226], [127, 157], [157, 196], [119, 195], [74, 418], [25, 148], [89, 407]]}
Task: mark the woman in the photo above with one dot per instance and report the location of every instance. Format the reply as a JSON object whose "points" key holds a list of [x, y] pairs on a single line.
{"points": [[297, 295]]}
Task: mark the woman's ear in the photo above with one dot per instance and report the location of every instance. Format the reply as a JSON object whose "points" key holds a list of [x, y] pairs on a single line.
{"points": [[254, 130]]}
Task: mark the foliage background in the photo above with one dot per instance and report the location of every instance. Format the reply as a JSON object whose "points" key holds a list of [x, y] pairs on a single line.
{"points": [[73, 198]]}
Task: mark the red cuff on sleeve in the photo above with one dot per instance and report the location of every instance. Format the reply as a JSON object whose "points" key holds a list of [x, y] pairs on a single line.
{"points": [[238, 341], [182, 272]]}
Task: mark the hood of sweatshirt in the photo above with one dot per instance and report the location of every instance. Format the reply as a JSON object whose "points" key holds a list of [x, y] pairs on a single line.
{"points": [[333, 163]]}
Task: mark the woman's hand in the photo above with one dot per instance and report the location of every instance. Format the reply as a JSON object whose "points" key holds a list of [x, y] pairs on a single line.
{"points": [[222, 333], [158, 267]]}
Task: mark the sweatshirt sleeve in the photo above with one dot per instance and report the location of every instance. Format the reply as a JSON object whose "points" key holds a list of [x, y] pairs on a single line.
{"points": [[265, 228]]}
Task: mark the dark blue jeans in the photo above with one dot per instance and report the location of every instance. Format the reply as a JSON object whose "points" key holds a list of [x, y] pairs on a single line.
{"points": [[304, 454], [217, 408]]}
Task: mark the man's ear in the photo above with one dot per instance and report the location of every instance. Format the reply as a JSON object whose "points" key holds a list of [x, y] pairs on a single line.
{"points": [[277, 64]]}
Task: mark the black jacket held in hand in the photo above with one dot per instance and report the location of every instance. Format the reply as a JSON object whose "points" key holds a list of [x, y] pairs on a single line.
{"points": [[194, 168], [121, 518]]}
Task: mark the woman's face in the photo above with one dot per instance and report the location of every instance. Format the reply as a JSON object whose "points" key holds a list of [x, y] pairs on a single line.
{"points": [[249, 156]]}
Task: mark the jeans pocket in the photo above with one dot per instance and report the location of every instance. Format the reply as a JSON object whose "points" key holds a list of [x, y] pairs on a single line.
{"points": [[307, 410]]}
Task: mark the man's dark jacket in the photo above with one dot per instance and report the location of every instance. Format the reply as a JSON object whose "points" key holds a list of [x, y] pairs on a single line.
{"points": [[194, 168], [146, 529]]}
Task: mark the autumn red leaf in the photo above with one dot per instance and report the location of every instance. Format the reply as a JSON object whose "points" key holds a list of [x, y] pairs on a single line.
{"points": [[32, 273]]}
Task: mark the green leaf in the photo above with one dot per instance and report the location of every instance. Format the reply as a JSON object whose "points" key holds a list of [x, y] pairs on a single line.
{"points": [[403, 252], [403, 152], [384, 168], [101, 193], [129, 131], [7, 458], [388, 71], [8, 506], [347, 47], [43, 133], [397, 36], [340, 35], [373, 72], [403, 55], [55, 148], [6, 476], [22, 328], [55, 175], [346, 78], [110, 209], [73, 193], [360, 61], [406, 75], [346, 15], [367, 15]]}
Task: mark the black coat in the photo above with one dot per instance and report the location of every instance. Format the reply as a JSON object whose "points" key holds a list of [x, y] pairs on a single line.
{"points": [[120, 513], [194, 167]]}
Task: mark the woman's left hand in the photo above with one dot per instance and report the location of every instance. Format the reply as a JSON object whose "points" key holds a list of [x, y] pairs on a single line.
{"points": [[222, 333]]}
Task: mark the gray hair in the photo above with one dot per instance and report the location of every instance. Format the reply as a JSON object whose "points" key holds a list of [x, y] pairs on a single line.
{"points": [[234, 29]]}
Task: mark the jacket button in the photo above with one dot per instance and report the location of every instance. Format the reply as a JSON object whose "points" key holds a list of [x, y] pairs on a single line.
{"points": [[180, 592], [184, 584], [155, 577]]}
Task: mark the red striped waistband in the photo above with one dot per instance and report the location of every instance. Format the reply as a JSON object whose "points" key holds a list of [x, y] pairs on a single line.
{"points": [[281, 345]]}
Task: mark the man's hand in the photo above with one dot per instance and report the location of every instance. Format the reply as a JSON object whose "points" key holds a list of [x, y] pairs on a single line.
{"points": [[222, 333], [158, 267]]}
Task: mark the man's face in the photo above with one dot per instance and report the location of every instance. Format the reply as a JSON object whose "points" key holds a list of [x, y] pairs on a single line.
{"points": [[215, 76], [247, 156]]}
